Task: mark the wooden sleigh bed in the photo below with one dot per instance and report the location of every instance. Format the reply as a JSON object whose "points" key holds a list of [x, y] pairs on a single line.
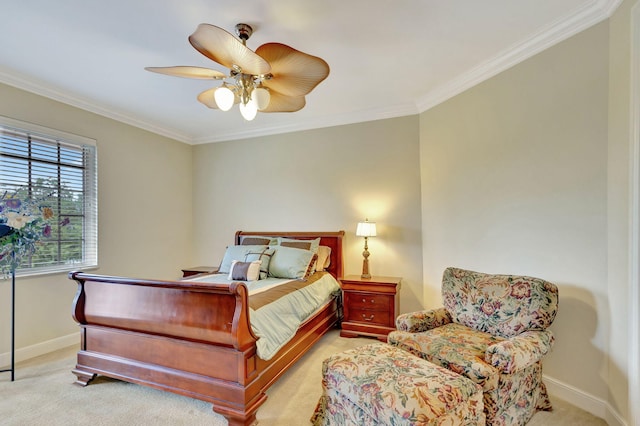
{"points": [[190, 338]]}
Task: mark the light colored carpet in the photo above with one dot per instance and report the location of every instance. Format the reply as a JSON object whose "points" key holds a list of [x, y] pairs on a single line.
{"points": [[44, 394]]}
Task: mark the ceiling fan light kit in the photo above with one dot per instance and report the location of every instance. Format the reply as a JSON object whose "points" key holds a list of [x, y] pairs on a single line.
{"points": [[274, 78]]}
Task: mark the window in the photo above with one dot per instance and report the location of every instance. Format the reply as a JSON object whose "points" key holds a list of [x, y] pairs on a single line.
{"points": [[59, 170]]}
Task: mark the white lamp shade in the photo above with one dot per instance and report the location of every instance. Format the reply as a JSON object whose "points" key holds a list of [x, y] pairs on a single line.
{"points": [[366, 229], [248, 110], [224, 98], [261, 97]]}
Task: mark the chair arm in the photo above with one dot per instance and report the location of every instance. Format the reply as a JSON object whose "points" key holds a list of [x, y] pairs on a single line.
{"points": [[415, 322], [518, 352]]}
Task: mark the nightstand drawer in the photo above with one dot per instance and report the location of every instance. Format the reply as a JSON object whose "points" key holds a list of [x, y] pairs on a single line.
{"points": [[369, 301], [369, 317]]}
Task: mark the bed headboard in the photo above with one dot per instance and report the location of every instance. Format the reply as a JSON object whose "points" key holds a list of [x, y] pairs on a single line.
{"points": [[330, 239]]}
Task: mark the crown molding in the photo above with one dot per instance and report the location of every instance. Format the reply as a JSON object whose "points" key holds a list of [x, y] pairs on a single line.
{"points": [[560, 30], [55, 94], [328, 121]]}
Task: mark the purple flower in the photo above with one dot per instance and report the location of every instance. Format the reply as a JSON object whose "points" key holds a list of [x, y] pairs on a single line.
{"points": [[46, 231], [65, 221], [13, 203]]}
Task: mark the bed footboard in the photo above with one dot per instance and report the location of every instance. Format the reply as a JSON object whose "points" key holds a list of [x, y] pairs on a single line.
{"points": [[193, 339]]}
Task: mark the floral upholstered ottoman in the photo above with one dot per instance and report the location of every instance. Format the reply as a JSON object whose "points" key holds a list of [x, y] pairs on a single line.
{"points": [[379, 384]]}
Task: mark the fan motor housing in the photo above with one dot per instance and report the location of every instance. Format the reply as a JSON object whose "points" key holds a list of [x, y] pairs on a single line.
{"points": [[244, 31]]}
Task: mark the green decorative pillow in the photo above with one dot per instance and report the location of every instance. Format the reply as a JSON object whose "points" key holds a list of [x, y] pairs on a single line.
{"points": [[263, 255], [289, 262], [235, 253], [244, 271]]}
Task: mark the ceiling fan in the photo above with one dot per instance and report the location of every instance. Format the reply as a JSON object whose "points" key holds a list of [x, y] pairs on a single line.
{"points": [[274, 78]]}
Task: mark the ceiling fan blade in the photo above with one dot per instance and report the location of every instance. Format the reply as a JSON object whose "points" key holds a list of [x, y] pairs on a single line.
{"points": [[189, 72], [207, 99], [222, 47], [294, 73], [283, 103]]}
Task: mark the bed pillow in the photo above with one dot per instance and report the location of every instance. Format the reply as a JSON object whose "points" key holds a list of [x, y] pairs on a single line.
{"points": [[235, 253], [244, 271], [311, 245], [290, 262], [254, 240], [263, 255], [324, 258]]}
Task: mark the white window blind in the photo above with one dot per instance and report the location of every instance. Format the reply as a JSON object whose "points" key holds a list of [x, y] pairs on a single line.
{"points": [[60, 170]]}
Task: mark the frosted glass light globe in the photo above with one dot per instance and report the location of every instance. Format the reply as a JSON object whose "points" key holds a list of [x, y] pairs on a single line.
{"points": [[224, 98], [261, 97], [248, 110]]}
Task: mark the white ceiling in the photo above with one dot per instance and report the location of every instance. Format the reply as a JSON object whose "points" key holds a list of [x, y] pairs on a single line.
{"points": [[387, 58]]}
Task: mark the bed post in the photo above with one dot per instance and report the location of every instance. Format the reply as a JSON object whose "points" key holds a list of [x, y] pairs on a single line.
{"points": [[83, 377]]}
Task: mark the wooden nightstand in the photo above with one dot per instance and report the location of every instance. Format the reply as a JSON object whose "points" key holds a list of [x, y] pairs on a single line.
{"points": [[370, 306], [187, 272]]}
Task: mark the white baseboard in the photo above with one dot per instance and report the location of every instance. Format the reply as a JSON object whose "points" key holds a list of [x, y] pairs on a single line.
{"points": [[584, 401], [23, 354]]}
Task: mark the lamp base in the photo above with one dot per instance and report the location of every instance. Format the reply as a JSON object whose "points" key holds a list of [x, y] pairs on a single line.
{"points": [[365, 265]]}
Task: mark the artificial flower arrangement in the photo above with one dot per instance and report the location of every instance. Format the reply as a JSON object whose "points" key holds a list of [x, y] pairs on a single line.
{"points": [[23, 223]]}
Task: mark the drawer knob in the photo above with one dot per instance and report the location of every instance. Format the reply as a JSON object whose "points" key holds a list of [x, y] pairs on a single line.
{"points": [[364, 317], [365, 301]]}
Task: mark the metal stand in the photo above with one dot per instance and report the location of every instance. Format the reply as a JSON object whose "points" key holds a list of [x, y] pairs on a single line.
{"points": [[13, 326]]}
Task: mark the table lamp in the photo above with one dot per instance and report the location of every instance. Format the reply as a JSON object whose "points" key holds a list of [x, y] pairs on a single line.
{"points": [[366, 229]]}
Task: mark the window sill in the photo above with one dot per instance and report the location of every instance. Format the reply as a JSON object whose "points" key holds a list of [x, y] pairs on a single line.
{"points": [[50, 271]]}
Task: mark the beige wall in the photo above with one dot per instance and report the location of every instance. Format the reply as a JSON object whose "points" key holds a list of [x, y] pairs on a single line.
{"points": [[619, 204], [514, 180], [143, 179], [318, 180]]}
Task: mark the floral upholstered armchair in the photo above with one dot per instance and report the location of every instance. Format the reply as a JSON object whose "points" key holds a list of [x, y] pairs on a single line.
{"points": [[493, 330]]}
